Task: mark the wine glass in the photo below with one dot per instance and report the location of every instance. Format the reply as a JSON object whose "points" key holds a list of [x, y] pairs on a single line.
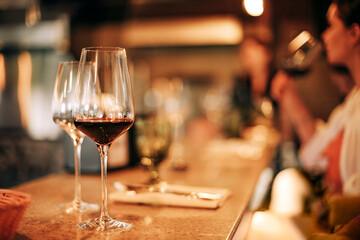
{"points": [[153, 139], [301, 53], [105, 110], [62, 109]]}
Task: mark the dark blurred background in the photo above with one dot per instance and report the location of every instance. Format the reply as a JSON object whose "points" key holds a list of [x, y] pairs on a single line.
{"points": [[193, 40]]}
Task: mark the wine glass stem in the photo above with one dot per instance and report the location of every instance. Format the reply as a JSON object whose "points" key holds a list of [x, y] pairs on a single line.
{"points": [[103, 149], [154, 174], [77, 162]]}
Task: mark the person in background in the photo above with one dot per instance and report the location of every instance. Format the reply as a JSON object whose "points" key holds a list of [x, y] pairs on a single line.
{"points": [[331, 149], [251, 100], [257, 57]]}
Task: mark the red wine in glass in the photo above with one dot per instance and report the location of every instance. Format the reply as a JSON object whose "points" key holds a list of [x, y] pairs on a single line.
{"points": [[104, 88], [103, 131]]}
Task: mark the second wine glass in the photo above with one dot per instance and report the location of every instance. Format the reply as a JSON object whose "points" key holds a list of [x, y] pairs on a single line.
{"points": [[62, 110], [105, 111], [153, 139]]}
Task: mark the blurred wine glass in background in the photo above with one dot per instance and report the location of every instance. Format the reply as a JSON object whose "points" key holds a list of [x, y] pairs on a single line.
{"points": [[153, 139], [169, 98]]}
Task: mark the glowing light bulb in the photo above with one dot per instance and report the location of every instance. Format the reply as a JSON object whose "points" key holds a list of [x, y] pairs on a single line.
{"points": [[254, 7]]}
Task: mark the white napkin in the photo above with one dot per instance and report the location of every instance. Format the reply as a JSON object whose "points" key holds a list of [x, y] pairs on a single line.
{"points": [[169, 198]]}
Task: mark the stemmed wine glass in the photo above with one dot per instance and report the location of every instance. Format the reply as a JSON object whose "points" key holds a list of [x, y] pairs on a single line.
{"points": [[105, 110], [62, 109], [301, 53], [153, 139]]}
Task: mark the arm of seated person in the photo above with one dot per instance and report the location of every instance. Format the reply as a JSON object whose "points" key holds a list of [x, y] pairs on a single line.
{"points": [[284, 91]]}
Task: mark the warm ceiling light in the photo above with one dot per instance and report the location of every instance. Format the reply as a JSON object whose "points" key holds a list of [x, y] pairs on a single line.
{"points": [[2, 73], [24, 86], [254, 7], [196, 31]]}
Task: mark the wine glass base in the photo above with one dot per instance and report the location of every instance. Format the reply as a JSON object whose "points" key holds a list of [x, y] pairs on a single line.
{"points": [[71, 207], [107, 225], [158, 183]]}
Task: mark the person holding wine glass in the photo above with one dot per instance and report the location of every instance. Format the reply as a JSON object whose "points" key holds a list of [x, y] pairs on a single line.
{"points": [[316, 139], [331, 149], [105, 110], [62, 110]]}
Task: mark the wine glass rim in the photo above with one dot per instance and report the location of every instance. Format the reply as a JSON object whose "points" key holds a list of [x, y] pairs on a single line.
{"points": [[103, 49]]}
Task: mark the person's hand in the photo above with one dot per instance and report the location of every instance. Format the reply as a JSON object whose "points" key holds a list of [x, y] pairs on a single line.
{"points": [[284, 90], [281, 84]]}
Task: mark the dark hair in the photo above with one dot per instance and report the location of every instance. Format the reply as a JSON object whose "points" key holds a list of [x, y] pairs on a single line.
{"points": [[349, 11]]}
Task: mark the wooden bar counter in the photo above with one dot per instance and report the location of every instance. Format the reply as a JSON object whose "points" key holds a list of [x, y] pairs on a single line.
{"points": [[213, 166]]}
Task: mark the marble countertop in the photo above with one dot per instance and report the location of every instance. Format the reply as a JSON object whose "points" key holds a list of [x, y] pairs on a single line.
{"points": [[221, 168]]}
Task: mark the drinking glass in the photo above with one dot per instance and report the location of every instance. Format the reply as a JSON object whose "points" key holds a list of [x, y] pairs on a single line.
{"points": [[301, 53], [105, 110], [153, 139], [62, 110]]}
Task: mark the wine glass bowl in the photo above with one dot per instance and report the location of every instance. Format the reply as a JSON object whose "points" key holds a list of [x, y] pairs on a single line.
{"points": [[105, 110], [301, 53], [62, 109], [153, 139]]}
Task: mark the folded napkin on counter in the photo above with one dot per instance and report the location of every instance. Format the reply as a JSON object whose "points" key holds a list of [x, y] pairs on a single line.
{"points": [[171, 195]]}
